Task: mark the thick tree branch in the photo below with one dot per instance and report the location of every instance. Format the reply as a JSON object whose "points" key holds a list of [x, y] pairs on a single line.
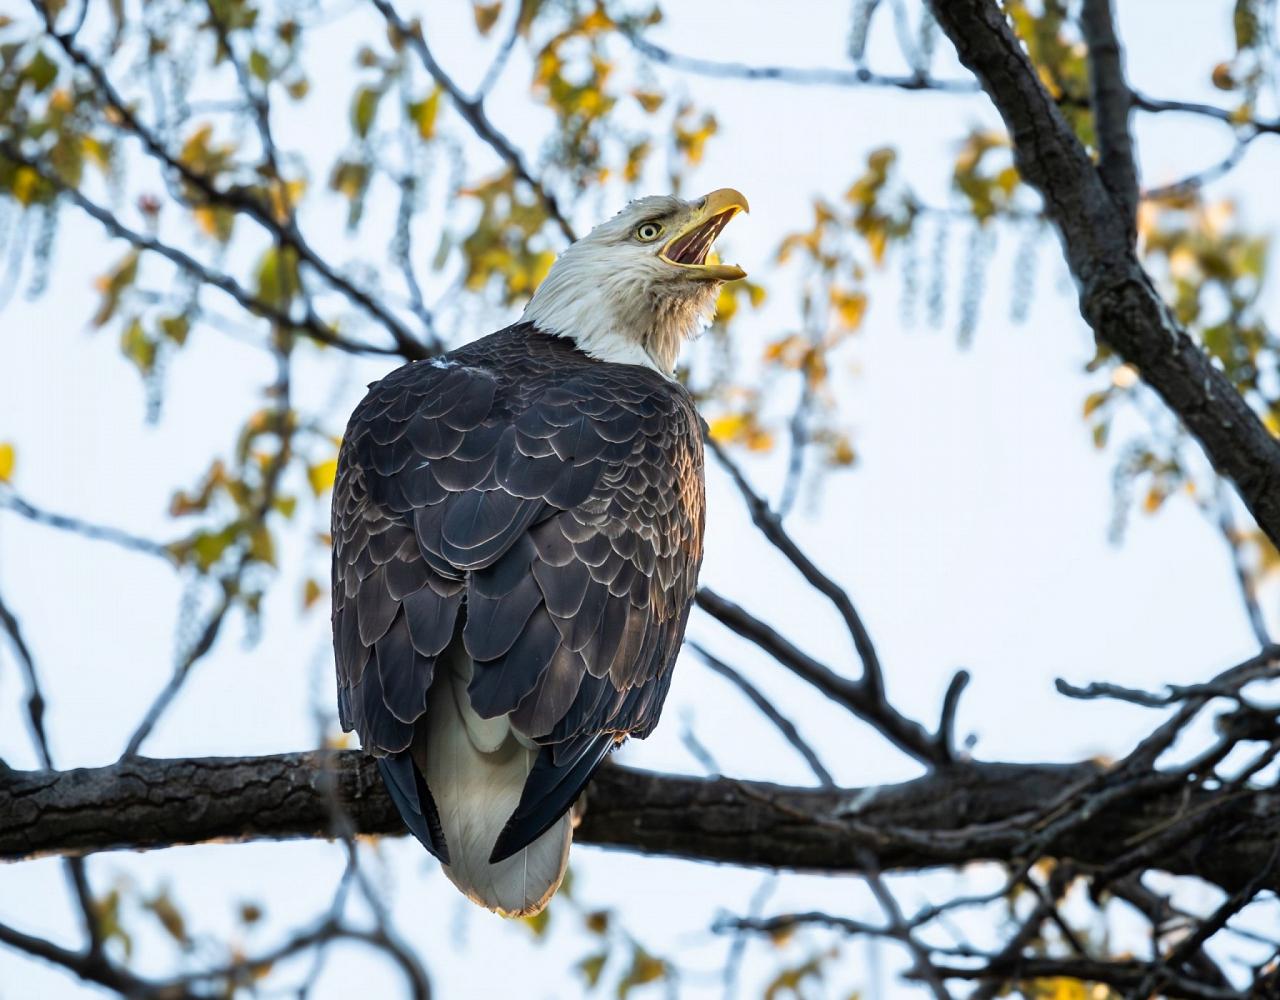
{"points": [[971, 812], [1117, 298], [1109, 95]]}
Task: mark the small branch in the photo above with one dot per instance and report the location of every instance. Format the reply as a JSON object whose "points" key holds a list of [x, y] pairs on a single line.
{"points": [[1193, 183], [208, 635], [285, 232], [1155, 105], [473, 112], [899, 930], [309, 327], [1248, 594], [904, 733], [761, 701], [799, 75], [763, 517], [77, 876], [1111, 101], [90, 968], [1193, 942], [9, 500], [35, 697]]}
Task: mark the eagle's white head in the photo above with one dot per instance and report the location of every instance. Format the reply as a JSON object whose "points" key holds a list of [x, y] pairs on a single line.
{"points": [[636, 287]]}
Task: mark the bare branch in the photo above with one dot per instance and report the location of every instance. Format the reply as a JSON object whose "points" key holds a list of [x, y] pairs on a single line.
{"points": [[1111, 101], [800, 75], [904, 733], [310, 326], [10, 500], [784, 725], [473, 112]]}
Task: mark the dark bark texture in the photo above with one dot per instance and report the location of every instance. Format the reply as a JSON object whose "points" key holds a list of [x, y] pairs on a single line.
{"points": [[965, 813]]}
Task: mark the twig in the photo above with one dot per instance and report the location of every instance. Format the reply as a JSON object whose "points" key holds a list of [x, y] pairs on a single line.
{"points": [[784, 725], [285, 232], [801, 75], [10, 500], [1248, 595], [473, 112], [904, 733], [205, 275], [77, 876], [771, 527]]}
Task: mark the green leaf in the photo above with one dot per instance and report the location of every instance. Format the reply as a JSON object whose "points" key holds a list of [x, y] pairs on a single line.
{"points": [[591, 967], [486, 15], [364, 108], [1095, 400], [138, 347], [170, 917], [539, 922], [644, 969], [176, 328], [278, 280], [41, 71], [260, 65]]}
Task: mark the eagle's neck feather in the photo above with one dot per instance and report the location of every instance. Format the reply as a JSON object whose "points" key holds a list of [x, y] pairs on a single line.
{"points": [[618, 314]]}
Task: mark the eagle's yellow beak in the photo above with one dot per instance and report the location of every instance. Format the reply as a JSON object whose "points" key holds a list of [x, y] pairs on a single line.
{"points": [[689, 247]]}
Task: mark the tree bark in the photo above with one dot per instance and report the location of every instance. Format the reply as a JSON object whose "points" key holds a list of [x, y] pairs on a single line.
{"points": [[965, 813], [1115, 293]]}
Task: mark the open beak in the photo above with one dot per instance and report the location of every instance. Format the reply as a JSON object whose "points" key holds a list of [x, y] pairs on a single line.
{"points": [[688, 249]]}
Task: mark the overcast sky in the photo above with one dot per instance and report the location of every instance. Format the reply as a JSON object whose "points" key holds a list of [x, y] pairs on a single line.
{"points": [[973, 532]]}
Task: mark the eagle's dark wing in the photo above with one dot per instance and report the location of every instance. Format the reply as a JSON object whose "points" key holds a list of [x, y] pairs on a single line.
{"points": [[549, 507]]}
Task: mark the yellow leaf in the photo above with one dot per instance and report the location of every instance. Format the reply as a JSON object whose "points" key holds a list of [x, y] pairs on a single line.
{"points": [[26, 184], [726, 429], [311, 592], [424, 114], [322, 474], [8, 458], [1094, 400], [650, 100], [850, 307], [486, 15]]}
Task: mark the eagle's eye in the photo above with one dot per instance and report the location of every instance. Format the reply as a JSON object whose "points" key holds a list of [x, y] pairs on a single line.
{"points": [[648, 232]]}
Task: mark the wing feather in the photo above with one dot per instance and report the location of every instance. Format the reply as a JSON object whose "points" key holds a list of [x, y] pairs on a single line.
{"points": [[545, 508]]}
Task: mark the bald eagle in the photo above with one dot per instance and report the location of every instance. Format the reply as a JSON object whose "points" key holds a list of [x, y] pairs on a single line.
{"points": [[517, 532]]}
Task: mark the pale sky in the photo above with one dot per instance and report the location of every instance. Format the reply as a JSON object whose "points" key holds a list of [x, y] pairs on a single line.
{"points": [[973, 532]]}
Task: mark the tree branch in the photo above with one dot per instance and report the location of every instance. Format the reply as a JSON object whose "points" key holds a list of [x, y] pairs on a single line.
{"points": [[310, 326], [1109, 95], [473, 112], [284, 231], [966, 813], [1116, 295]]}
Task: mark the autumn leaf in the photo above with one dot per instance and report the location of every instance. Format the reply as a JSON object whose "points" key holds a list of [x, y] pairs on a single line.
{"points": [[8, 458], [486, 15], [321, 475]]}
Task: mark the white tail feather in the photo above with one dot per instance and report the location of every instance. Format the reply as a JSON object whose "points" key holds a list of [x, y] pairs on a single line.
{"points": [[476, 769]]}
